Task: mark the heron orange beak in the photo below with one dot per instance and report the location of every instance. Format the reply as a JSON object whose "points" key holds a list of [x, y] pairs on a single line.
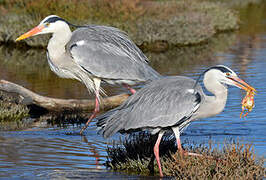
{"points": [[30, 33], [242, 84]]}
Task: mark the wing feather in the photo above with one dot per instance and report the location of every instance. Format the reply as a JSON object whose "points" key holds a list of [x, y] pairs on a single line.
{"points": [[160, 104], [108, 53]]}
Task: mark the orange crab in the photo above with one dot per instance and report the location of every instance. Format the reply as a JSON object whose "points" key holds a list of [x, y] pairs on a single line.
{"points": [[248, 103]]}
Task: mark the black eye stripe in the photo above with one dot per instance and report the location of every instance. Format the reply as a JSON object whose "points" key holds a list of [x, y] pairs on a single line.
{"points": [[220, 68], [54, 19]]}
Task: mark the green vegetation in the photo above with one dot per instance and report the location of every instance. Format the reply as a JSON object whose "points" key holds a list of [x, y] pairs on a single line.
{"points": [[11, 112], [233, 161], [178, 23]]}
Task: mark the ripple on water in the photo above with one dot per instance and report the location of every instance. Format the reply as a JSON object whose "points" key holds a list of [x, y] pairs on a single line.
{"points": [[52, 153]]}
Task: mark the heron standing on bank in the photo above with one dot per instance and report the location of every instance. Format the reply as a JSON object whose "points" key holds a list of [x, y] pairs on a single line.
{"points": [[171, 103], [92, 54]]}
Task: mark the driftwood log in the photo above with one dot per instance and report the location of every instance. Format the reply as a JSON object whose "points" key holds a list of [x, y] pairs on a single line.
{"points": [[54, 104]]}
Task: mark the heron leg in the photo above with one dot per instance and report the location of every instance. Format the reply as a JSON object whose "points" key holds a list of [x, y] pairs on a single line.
{"points": [[179, 146], [133, 91], [178, 141], [97, 103], [156, 151]]}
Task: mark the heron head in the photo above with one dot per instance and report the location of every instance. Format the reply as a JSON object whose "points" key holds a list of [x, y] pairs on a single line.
{"points": [[227, 76], [50, 24]]}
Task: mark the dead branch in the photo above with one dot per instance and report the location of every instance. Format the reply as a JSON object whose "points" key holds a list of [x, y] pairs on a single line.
{"points": [[53, 104]]}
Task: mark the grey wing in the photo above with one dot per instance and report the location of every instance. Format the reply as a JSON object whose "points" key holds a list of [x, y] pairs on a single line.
{"points": [[160, 104], [109, 55]]}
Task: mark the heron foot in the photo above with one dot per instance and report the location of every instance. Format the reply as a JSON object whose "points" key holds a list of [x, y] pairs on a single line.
{"points": [[186, 153]]}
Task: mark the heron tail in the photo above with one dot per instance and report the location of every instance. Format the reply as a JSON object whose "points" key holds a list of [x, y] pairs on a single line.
{"points": [[110, 123], [103, 121]]}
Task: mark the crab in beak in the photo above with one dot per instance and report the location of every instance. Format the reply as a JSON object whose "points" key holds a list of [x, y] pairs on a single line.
{"points": [[248, 101]]}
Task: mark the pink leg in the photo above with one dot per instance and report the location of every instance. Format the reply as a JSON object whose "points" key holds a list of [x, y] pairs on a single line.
{"points": [[181, 150], [96, 110], [133, 91], [177, 137], [179, 146], [156, 152]]}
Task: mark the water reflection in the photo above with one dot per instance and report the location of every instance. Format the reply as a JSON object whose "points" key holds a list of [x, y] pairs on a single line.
{"points": [[94, 150], [49, 149], [54, 152], [178, 60]]}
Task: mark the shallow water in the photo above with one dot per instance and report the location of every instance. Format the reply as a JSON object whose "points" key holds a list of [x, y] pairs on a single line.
{"points": [[57, 153]]}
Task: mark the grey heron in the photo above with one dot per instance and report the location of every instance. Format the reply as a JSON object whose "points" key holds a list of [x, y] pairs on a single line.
{"points": [[171, 103], [92, 54]]}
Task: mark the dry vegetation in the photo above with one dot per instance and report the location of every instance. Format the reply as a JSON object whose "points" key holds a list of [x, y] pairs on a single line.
{"points": [[233, 161], [175, 22], [102, 10]]}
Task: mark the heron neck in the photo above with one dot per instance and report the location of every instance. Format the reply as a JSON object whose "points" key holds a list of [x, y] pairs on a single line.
{"points": [[56, 45], [214, 104]]}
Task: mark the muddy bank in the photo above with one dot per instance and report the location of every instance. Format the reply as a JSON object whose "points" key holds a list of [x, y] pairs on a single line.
{"points": [[18, 115], [151, 24], [13, 115]]}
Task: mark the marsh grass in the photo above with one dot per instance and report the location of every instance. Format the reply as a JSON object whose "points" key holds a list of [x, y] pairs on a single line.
{"points": [[234, 160], [11, 112]]}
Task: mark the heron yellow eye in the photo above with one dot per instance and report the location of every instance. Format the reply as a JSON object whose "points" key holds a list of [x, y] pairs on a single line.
{"points": [[47, 24], [227, 74]]}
